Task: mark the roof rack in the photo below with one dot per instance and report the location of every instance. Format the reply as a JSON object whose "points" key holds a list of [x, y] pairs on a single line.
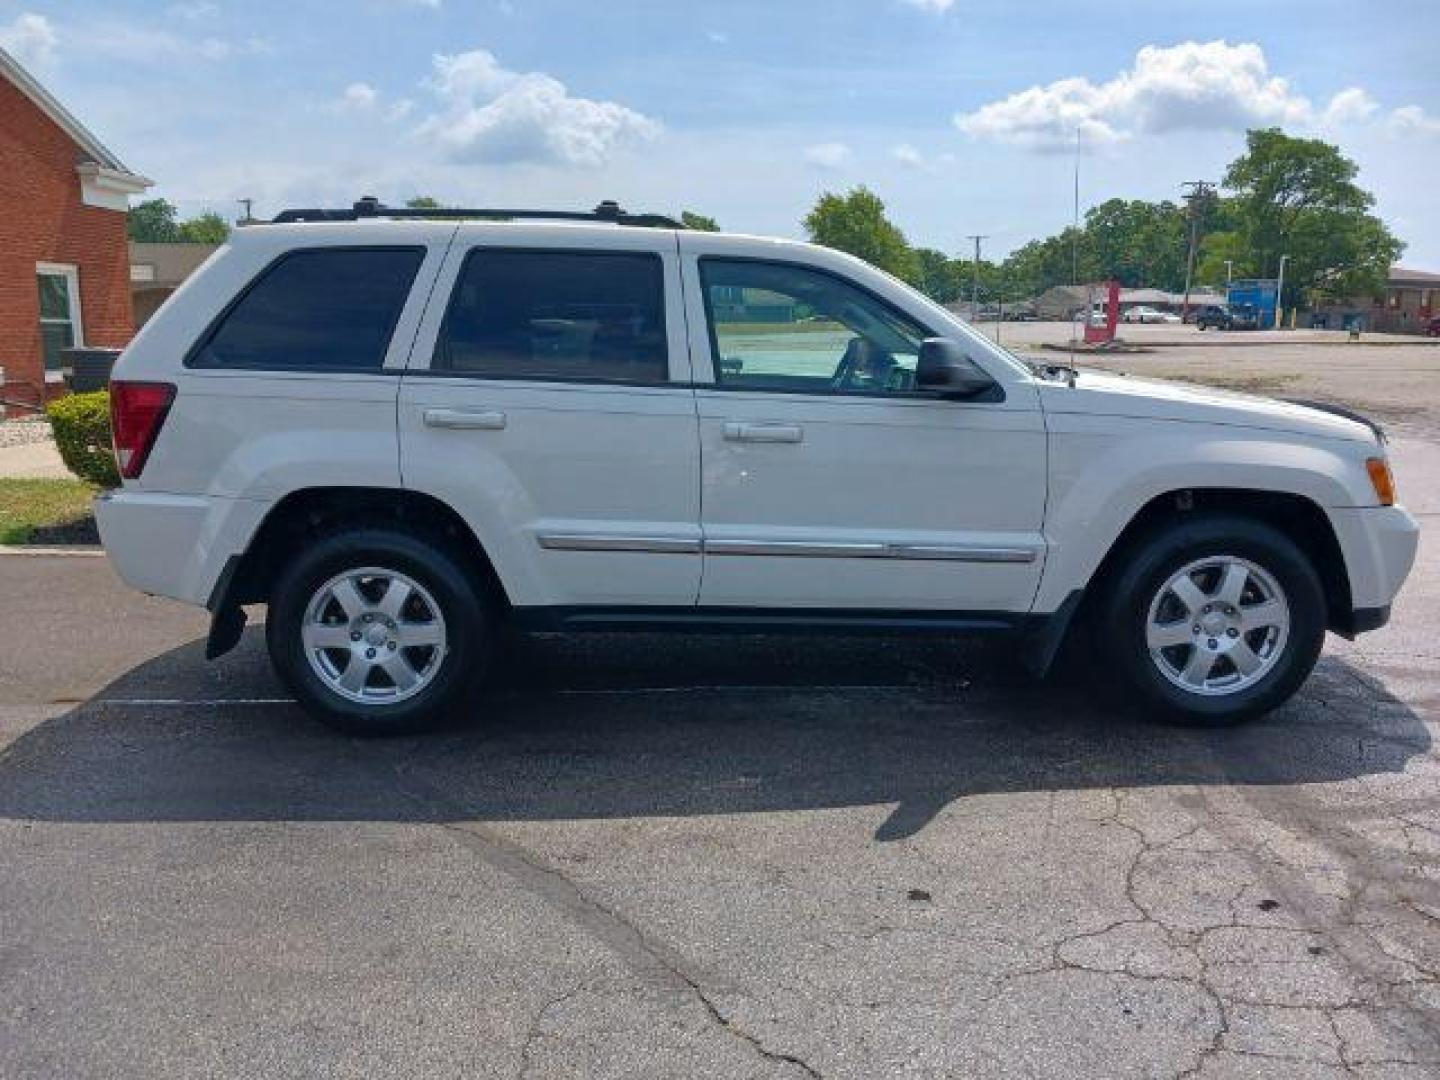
{"points": [[371, 207]]}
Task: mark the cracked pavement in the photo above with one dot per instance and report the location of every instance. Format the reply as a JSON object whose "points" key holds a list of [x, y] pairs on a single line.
{"points": [[751, 857]]}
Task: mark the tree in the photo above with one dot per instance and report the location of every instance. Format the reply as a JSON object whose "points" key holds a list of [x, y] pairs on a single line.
{"points": [[1299, 198], [856, 223], [937, 275], [698, 222], [153, 222], [423, 202], [1138, 243], [208, 228]]}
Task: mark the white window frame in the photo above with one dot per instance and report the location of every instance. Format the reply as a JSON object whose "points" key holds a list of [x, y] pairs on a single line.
{"points": [[71, 274]]}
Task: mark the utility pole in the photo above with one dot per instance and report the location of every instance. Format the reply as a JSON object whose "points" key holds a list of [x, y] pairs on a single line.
{"points": [[975, 276], [1229, 270], [1199, 193], [1280, 292], [246, 203]]}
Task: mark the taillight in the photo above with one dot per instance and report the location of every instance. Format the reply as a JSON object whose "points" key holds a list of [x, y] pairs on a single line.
{"points": [[137, 409]]}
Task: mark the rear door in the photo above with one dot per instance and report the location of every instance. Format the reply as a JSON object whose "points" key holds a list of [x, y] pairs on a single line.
{"points": [[549, 401]]}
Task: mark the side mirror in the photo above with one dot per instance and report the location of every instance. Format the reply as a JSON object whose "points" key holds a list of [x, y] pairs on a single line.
{"points": [[944, 369]]}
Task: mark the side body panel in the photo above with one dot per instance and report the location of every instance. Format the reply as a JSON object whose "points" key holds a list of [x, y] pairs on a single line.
{"points": [[866, 502], [582, 493]]}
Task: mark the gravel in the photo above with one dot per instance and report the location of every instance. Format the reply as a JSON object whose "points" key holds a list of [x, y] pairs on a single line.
{"points": [[24, 432]]}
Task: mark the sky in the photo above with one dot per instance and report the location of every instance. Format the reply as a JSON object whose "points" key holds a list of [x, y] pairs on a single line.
{"points": [[961, 114]]}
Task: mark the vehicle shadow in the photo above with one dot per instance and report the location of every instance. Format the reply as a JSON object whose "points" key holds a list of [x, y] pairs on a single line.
{"points": [[608, 727]]}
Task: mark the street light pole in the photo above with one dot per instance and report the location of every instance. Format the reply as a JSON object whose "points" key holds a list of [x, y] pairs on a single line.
{"points": [[1229, 271], [1280, 292]]}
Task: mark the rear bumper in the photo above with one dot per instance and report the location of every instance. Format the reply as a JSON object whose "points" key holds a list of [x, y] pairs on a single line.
{"points": [[1379, 544], [174, 545]]}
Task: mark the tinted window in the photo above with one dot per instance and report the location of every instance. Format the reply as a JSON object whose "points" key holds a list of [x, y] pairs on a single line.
{"points": [[333, 308], [779, 326], [553, 314]]}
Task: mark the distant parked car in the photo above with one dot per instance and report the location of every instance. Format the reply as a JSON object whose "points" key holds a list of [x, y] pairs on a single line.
{"points": [[1244, 317], [1146, 314], [1214, 317]]}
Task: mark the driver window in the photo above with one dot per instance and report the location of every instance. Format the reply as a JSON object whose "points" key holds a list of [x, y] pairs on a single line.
{"points": [[779, 326]]}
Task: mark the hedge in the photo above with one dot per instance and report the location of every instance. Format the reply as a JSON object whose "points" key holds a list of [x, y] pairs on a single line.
{"points": [[81, 423]]}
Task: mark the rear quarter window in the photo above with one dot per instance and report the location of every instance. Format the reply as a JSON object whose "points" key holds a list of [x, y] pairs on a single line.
{"points": [[331, 309]]}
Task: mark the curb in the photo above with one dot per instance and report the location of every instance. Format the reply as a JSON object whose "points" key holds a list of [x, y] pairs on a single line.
{"points": [[95, 552]]}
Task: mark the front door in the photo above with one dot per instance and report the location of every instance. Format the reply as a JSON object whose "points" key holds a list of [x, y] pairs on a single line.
{"points": [[549, 403], [829, 480]]}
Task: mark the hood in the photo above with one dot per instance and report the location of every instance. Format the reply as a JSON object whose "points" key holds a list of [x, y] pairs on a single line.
{"points": [[1102, 394]]}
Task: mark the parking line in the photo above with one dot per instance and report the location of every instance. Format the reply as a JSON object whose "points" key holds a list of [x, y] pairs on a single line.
{"points": [[636, 691]]}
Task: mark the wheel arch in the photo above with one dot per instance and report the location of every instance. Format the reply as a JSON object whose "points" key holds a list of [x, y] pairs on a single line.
{"points": [[307, 511], [1296, 516]]}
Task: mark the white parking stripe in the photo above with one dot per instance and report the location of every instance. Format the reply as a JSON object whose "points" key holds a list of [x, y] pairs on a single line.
{"points": [[636, 691]]}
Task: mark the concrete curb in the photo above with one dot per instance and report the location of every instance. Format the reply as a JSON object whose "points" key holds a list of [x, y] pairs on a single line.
{"points": [[61, 552]]}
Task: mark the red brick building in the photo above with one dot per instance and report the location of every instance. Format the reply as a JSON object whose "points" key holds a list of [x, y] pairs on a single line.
{"points": [[64, 263]]}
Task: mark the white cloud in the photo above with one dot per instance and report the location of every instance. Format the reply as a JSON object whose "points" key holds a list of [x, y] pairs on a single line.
{"points": [[938, 6], [717, 37], [829, 155], [194, 10], [1412, 120], [908, 156], [358, 97], [399, 110], [1194, 85], [1352, 105], [489, 113], [30, 38]]}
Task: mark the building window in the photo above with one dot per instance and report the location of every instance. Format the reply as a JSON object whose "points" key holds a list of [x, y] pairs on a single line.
{"points": [[60, 325]]}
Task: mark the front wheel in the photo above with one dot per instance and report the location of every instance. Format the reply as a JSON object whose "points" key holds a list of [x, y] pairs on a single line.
{"points": [[379, 631], [1213, 621]]}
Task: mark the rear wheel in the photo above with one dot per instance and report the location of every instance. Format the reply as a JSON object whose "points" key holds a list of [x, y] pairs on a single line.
{"points": [[1213, 621], [379, 632]]}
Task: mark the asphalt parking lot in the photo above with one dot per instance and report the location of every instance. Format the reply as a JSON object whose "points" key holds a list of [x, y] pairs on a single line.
{"points": [[684, 857]]}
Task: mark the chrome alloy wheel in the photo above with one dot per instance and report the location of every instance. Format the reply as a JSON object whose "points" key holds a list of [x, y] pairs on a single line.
{"points": [[1217, 626], [374, 636]]}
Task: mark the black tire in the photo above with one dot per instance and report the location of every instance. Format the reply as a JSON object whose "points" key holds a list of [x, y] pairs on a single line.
{"points": [[1119, 628], [431, 563]]}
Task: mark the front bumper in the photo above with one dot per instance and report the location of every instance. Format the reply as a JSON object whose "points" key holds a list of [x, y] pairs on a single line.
{"points": [[1379, 544]]}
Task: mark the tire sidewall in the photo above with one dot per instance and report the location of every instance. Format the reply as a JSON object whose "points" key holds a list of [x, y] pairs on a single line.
{"points": [[1127, 608], [426, 561]]}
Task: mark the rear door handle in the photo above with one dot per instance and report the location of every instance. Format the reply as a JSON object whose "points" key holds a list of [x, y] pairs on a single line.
{"points": [[463, 419], [739, 431]]}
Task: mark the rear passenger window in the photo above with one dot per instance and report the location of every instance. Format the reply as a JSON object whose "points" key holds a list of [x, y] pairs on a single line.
{"points": [[333, 308], [556, 315]]}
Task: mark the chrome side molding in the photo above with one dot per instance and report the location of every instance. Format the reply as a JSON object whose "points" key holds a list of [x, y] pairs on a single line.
{"points": [[670, 545]]}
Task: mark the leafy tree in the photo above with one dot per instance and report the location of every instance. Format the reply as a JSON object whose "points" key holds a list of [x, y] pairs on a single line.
{"points": [[208, 228], [153, 222], [1138, 243], [423, 202], [1036, 266], [698, 222], [937, 275], [1298, 197], [856, 223]]}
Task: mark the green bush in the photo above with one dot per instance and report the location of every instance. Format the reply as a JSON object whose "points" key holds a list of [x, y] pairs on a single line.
{"points": [[81, 423]]}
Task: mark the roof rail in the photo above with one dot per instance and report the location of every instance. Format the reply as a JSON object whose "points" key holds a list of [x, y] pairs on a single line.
{"points": [[371, 207]]}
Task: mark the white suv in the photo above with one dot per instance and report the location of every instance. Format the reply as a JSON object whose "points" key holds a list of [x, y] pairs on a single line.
{"points": [[400, 431]]}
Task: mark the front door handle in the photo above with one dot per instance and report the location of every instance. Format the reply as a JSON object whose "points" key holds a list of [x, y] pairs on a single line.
{"points": [[465, 419], [739, 431]]}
